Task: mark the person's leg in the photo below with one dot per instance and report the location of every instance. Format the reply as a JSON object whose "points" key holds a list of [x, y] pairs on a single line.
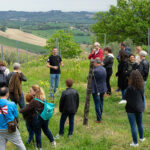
{"points": [[30, 131], [139, 119], [36, 127], [96, 99], [21, 101], [71, 124], [132, 121], [2, 142], [123, 94], [101, 103], [109, 73], [62, 123], [15, 138], [56, 82], [52, 83], [46, 130]]}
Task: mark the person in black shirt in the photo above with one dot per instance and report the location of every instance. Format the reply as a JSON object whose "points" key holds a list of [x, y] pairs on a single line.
{"points": [[135, 105], [108, 63], [53, 63]]}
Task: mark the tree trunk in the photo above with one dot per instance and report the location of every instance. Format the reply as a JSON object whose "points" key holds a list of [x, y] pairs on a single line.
{"points": [[88, 94]]}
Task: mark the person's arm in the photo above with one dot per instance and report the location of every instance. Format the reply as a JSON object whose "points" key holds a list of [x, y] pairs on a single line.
{"points": [[77, 101], [50, 66], [61, 103], [91, 54], [23, 78]]}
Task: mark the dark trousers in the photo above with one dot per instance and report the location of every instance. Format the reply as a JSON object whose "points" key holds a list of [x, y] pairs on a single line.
{"points": [[136, 119], [98, 101], [62, 123], [30, 131], [21, 101], [109, 73], [37, 123]]}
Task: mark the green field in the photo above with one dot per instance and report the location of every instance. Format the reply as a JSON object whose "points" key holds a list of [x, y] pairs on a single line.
{"points": [[114, 131], [22, 45]]}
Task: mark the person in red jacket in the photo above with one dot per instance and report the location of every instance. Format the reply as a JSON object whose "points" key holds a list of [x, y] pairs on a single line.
{"points": [[96, 52]]}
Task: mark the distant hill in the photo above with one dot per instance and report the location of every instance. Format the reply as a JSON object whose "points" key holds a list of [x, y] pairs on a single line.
{"points": [[82, 17], [18, 35]]}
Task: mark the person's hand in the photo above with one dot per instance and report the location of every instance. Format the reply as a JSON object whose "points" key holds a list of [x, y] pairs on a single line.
{"points": [[62, 65], [55, 67], [93, 51]]}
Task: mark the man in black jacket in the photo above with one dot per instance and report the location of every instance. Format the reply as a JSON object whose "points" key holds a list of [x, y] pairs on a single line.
{"points": [[69, 103], [144, 68]]}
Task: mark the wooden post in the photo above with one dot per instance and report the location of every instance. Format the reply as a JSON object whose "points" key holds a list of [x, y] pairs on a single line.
{"points": [[88, 94]]}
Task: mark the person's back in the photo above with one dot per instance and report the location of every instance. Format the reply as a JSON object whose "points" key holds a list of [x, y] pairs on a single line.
{"points": [[70, 101]]}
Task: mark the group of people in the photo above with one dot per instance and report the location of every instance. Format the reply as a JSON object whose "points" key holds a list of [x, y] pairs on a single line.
{"points": [[132, 76]]}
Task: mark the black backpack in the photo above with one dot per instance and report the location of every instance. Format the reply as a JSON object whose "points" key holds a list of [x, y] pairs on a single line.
{"points": [[3, 80]]}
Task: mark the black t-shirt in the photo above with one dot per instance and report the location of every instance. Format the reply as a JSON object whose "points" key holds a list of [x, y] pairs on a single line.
{"points": [[54, 61]]}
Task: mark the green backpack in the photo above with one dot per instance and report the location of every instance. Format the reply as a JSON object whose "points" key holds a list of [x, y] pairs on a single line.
{"points": [[48, 109]]}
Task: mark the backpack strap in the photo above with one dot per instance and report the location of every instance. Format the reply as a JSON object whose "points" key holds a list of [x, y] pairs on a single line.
{"points": [[39, 100]]}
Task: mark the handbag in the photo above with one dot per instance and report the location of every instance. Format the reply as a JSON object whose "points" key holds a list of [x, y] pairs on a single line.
{"points": [[12, 125], [48, 110]]}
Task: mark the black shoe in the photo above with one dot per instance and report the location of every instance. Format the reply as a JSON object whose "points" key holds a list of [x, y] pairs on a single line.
{"points": [[109, 93]]}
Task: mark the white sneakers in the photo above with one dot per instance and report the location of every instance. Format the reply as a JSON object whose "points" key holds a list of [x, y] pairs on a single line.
{"points": [[134, 145], [142, 140], [53, 144], [123, 102]]}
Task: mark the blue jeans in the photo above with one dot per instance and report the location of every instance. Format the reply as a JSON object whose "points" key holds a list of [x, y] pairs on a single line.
{"points": [[37, 123], [136, 119], [123, 94], [21, 101], [98, 101], [62, 123], [30, 131], [54, 82]]}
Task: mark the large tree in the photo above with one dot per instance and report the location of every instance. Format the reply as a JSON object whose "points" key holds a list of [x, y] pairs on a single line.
{"points": [[67, 45], [129, 19]]}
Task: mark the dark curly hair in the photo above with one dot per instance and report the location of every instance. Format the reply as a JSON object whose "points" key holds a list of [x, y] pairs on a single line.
{"points": [[136, 80], [123, 56]]}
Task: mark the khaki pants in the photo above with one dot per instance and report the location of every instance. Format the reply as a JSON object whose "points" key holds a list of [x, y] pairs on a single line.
{"points": [[14, 138]]}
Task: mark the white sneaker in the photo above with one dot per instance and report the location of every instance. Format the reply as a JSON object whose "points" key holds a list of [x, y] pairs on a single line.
{"points": [[57, 137], [54, 144], [123, 102], [142, 140], [134, 145]]}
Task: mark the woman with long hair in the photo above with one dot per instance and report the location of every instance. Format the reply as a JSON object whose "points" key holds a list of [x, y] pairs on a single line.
{"points": [[135, 105], [34, 110]]}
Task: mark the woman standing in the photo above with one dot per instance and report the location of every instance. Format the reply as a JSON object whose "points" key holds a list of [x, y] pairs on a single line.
{"points": [[135, 105], [108, 63], [34, 110], [122, 76]]}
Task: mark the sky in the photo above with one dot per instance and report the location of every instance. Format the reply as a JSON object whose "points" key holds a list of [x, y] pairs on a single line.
{"points": [[64, 5]]}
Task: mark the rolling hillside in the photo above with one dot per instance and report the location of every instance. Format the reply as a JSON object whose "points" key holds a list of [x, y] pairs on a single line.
{"points": [[18, 35]]}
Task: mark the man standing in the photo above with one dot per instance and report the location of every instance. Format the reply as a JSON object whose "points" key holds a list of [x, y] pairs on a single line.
{"points": [[14, 81], [144, 68], [98, 87], [8, 112], [54, 63]]}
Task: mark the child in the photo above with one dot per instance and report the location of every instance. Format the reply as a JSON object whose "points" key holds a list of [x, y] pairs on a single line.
{"points": [[135, 105], [29, 97], [68, 106]]}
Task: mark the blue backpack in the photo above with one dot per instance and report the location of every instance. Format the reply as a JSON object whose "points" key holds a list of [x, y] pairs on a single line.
{"points": [[48, 109]]}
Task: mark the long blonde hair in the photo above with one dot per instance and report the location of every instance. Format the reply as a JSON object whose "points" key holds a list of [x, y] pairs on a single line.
{"points": [[39, 92]]}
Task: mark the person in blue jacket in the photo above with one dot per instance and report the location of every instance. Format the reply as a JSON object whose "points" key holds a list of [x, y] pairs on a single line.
{"points": [[9, 109]]}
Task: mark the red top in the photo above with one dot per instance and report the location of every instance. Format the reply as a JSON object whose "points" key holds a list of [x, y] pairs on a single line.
{"points": [[99, 54]]}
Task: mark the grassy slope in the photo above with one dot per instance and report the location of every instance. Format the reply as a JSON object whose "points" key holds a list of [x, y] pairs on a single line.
{"points": [[21, 45], [112, 134]]}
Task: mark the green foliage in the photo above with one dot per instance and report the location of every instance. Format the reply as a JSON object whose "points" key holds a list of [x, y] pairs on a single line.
{"points": [[69, 49], [130, 18], [3, 28], [22, 45]]}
